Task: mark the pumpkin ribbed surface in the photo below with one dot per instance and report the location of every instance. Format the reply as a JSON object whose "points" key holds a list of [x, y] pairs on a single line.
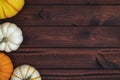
{"points": [[6, 67], [10, 37], [9, 8], [25, 72]]}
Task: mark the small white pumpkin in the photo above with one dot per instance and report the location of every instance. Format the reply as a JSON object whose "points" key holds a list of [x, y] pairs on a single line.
{"points": [[10, 37], [25, 72]]}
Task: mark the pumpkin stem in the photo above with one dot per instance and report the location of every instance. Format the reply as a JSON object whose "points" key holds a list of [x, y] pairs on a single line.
{"points": [[5, 39], [29, 78]]}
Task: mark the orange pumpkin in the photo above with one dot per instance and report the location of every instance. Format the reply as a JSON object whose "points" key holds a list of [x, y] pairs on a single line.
{"points": [[6, 67]]}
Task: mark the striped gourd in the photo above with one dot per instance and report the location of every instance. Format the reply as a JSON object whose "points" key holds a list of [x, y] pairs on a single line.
{"points": [[25, 72], [9, 8], [6, 67]]}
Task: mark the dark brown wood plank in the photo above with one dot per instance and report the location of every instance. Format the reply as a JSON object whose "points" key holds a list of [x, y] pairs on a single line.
{"points": [[64, 58], [71, 36], [80, 74], [109, 77], [55, 58], [79, 15], [73, 2]]}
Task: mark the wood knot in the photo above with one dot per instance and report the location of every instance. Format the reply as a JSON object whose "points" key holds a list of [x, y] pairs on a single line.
{"points": [[43, 14], [85, 34]]}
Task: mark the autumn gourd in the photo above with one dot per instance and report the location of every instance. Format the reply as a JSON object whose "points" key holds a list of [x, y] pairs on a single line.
{"points": [[10, 37], [6, 67], [25, 72], [9, 8]]}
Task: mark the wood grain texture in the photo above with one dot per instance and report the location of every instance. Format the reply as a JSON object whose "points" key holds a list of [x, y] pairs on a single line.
{"points": [[70, 39], [110, 77], [79, 15], [80, 74], [73, 2], [55, 58], [67, 58], [71, 36]]}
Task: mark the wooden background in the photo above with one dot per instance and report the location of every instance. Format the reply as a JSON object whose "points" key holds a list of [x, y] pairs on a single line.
{"points": [[70, 39]]}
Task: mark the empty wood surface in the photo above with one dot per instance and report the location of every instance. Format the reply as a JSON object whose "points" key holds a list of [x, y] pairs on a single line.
{"points": [[80, 74], [55, 58], [68, 58], [70, 39], [71, 36], [73, 2], [70, 63], [67, 15], [110, 77]]}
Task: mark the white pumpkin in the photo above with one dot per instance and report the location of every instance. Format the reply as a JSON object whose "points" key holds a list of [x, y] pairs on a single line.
{"points": [[10, 37], [25, 72]]}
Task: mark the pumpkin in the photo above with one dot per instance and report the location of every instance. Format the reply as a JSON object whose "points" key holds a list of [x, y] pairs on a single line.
{"points": [[25, 72], [9, 8], [6, 67], [10, 37]]}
